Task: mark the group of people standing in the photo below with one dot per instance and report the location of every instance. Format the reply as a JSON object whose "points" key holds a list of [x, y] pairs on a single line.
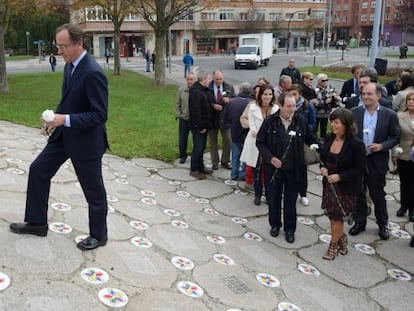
{"points": [[273, 131]]}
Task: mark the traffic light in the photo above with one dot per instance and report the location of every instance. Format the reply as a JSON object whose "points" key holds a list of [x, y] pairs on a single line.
{"points": [[309, 11]]}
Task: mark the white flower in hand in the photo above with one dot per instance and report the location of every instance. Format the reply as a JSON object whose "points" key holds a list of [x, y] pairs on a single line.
{"points": [[398, 150], [292, 133], [353, 95], [48, 115], [314, 147]]}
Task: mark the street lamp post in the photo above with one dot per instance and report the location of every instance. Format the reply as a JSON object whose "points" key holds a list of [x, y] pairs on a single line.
{"points": [[27, 42], [288, 27]]}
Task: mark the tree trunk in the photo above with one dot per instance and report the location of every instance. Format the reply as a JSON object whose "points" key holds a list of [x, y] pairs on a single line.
{"points": [[4, 86], [117, 57], [159, 76]]}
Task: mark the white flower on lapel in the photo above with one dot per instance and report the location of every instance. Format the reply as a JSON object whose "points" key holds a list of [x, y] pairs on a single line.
{"points": [[317, 90], [224, 94], [292, 133], [412, 124], [366, 131], [314, 147], [48, 115], [398, 150]]}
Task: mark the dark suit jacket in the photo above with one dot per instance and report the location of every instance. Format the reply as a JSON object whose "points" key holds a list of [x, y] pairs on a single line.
{"points": [[351, 165], [354, 101], [387, 133], [85, 99], [217, 116], [348, 88]]}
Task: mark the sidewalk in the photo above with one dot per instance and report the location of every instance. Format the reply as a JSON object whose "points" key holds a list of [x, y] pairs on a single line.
{"points": [[167, 229]]}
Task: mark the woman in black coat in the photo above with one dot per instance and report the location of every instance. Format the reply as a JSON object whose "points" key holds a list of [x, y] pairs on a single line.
{"points": [[343, 164]]}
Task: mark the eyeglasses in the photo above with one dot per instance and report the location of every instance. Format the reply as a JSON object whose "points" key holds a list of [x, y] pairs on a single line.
{"points": [[310, 79], [325, 80], [63, 46]]}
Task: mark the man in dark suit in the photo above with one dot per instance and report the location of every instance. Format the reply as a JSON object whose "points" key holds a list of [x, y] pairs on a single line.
{"points": [[223, 91], [351, 86], [77, 132], [378, 128], [291, 71], [368, 75]]}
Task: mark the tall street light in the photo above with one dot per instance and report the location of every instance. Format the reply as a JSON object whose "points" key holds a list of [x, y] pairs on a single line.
{"points": [[27, 42], [288, 28]]}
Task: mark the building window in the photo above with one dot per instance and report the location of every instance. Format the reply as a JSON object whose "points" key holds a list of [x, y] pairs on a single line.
{"points": [[226, 15], [208, 16], [345, 18], [364, 5], [275, 16], [95, 14], [289, 16], [387, 16], [398, 2], [338, 7], [388, 3], [301, 15], [363, 18], [259, 15], [372, 4], [346, 7], [397, 15], [371, 17]]}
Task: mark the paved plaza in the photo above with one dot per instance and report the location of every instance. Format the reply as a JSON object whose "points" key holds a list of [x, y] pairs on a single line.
{"points": [[177, 243]]}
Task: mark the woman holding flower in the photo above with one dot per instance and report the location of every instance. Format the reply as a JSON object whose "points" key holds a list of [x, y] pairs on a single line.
{"points": [[343, 163], [402, 155], [280, 141]]}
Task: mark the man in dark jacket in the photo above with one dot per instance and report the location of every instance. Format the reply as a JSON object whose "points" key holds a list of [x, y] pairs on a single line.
{"points": [[223, 91], [199, 102], [280, 141], [232, 114], [291, 71]]}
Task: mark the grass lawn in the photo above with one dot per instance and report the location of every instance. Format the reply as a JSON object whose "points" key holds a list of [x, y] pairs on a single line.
{"points": [[141, 121]]}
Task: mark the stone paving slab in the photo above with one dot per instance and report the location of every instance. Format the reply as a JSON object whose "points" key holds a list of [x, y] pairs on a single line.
{"points": [[45, 272]]}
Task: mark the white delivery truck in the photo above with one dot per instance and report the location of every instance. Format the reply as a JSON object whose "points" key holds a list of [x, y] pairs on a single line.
{"points": [[254, 49]]}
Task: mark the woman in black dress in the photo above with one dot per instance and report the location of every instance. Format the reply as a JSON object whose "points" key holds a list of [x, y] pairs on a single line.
{"points": [[343, 164]]}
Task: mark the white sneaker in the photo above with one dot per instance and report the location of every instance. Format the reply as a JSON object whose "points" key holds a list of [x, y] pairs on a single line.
{"points": [[304, 201]]}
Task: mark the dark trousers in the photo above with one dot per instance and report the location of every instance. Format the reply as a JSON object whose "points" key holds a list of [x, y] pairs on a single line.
{"points": [[89, 173], [258, 181], [406, 172], [284, 185], [303, 181], [321, 123], [199, 145], [183, 131], [375, 182]]}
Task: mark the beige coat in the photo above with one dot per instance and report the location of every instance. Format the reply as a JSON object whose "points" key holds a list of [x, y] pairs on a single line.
{"points": [[181, 103], [250, 153], [398, 102], [407, 135]]}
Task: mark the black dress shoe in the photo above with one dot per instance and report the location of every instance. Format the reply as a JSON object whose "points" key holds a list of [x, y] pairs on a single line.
{"points": [[384, 233], [91, 243], [257, 201], [226, 165], [182, 160], [274, 232], [356, 229], [214, 166], [401, 212], [412, 241], [290, 237], [29, 228], [411, 218]]}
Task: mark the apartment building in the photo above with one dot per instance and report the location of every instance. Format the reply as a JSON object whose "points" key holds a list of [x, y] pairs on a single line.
{"points": [[211, 30], [355, 18]]}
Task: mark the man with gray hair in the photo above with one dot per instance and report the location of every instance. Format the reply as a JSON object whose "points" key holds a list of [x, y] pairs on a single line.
{"points": [[284, 83], [199, 101], [368, 75], [232, 113]]}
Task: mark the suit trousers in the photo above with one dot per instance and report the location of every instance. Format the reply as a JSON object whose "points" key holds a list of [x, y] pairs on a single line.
{"points": [[199, 145], [406, 172], [284, 185], [375, 182], [225, 155], [89, 173], [183, 131]]}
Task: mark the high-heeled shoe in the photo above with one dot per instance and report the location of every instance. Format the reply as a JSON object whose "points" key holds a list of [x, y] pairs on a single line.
{"points": [[332, 251], [343, 245]]}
